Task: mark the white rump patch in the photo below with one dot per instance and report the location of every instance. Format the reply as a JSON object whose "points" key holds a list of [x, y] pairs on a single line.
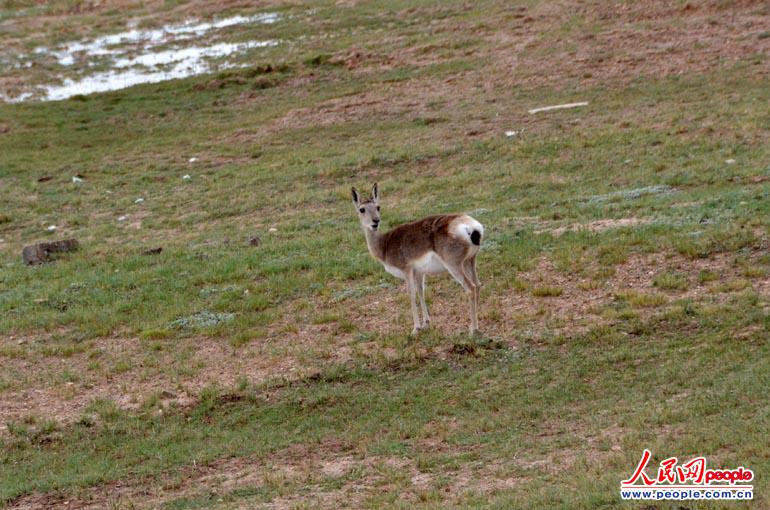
{"points": [[464, 226]]}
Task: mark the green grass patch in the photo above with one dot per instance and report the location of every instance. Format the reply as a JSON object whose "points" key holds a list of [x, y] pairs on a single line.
{"points": [[551, 410]]}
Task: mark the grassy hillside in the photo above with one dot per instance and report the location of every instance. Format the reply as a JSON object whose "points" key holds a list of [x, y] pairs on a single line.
{"points": [[626, 298]]}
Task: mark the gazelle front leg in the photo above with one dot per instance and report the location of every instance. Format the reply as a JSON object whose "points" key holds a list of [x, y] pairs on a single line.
{"points": [[421, 294], [411, 287]]}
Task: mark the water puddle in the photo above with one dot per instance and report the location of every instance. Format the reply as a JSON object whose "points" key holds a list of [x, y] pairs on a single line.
{"points": [[138, 56]]}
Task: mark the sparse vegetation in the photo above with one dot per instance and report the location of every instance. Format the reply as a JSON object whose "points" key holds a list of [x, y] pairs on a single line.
{"points": [[670, 280], [644, 299], [546, 291]]}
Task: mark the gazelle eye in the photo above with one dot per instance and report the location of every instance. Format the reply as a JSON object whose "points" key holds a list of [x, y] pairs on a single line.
{"points": [[361, 210], [378, 207]]}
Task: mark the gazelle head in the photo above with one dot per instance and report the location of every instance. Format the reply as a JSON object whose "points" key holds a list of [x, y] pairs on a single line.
{"points": [[368, 210]]}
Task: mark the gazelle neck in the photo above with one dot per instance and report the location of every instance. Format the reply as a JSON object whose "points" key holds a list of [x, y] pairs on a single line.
{"points": [[374, 243]]}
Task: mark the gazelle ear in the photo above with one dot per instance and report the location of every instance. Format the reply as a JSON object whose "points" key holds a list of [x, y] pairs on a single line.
{"points": [[375, 193], [356, 196]]}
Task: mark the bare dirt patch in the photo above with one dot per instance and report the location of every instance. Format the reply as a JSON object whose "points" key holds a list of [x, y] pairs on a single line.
{"points": [[295, 467], [128, 373], [596, 226], [582, 299], [553, 45], [518, 314], [387, 102], [618, 43]]}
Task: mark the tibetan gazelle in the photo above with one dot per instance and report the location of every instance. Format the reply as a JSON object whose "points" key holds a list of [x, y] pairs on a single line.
{"points": [[448, 242]]}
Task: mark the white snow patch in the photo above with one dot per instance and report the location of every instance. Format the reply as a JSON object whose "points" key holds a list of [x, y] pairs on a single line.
{"points": [[183, 63], [132, 58], [110, 44]]}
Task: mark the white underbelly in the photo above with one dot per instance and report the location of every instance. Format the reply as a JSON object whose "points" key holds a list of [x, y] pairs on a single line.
{"points": [[429, 263], [394, 271]]}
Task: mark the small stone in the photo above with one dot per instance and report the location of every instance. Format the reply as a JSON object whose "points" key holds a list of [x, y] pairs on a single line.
{"points": [[138, 200], [77, 180], [272, 229], [186, 177], [255, 240], [153, 251], [730, 161], [193, 160], [511, 133], [122, 218], [165, 394], [51, 228]]}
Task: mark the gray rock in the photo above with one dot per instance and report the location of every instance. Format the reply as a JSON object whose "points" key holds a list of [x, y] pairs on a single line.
{"points": [[39, 253]]}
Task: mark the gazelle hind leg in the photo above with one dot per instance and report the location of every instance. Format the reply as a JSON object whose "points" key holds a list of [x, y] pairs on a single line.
{"points": [[411, 287], [421, 295], [458, 274], [474, 301], [469, 267]]}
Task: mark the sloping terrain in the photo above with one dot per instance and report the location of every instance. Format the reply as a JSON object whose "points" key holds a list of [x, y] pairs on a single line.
{"points": [[626, 271]]}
